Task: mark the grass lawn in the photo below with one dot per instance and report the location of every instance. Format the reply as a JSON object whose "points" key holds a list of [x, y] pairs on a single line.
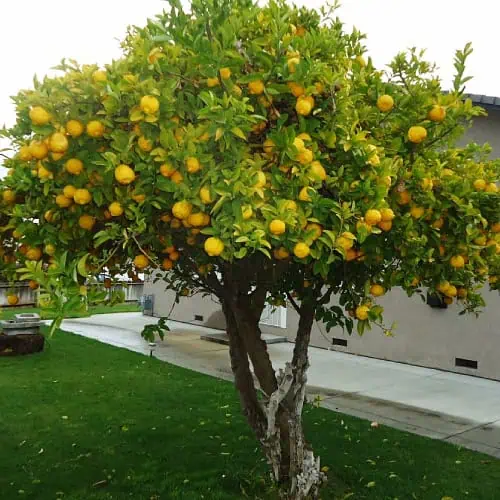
{"points": [[10, 312], [84, 420]]}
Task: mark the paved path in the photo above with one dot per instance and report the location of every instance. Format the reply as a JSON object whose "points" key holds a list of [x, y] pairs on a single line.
{"points": [[457, 408]]}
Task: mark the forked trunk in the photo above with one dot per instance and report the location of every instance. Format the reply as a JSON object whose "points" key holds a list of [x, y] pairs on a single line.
{"points": [[277, 417]]}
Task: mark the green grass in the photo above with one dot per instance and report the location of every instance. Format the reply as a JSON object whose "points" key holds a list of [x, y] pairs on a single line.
{"points": [[84, 420], [10, 312]]}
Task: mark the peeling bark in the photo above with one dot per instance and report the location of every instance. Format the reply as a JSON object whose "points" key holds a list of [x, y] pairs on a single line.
{"points": [[277, 418]]}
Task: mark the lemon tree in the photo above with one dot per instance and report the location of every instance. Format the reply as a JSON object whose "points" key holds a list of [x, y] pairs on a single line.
{"points": [[256, 154]]}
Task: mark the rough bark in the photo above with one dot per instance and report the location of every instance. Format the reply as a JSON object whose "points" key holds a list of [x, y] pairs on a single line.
{"points": [[277, 417], [244, 382]]}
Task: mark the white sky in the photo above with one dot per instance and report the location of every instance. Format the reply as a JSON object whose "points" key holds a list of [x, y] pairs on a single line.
{"points": [[36, 34]]}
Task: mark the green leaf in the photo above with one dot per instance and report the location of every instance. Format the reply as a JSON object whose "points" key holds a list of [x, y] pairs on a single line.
{"points": [[265, 251], [238, 133], [82, 266], [136, 115]]}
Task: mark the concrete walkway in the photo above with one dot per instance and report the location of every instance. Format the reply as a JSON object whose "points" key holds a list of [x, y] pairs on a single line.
{"points": [[456, 408]]}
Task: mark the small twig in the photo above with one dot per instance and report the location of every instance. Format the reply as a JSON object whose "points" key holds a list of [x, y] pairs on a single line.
{"points": [[293, 302]]}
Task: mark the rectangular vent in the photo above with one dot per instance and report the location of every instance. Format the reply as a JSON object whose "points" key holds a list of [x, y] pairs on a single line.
{"points": [[466, 363], [342, 342], [197, 317]]}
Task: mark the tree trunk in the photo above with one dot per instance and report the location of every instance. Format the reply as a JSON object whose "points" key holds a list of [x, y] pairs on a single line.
{"points": [[277, 418]]}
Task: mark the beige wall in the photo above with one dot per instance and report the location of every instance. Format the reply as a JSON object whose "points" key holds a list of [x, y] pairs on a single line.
{"points": [[486, 129], [424, 336]]}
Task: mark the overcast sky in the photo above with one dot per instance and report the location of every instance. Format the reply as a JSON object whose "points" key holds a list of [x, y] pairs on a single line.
{"points": [[36, 34]]}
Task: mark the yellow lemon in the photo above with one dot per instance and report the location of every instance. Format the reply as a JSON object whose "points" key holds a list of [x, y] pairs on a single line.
{"points": [[362, 312], [86, 222], [214, 246], [33, 284], [385, 225], [301, 250], [39, 150], [385, 103], [304, 105], [438, 224], [205, 195], [82, 196], [212, 82], [145, 144], [457, 261], [417, 212], [296, 89], [373, 217], [74, 166], [49, 249], [256, 87], [176, 177], [403, 198], [69, 191], [479, 184], [124, 174], [63, 201], [305, 157], [74, 128], [417, 134], [34, 253], [9, 196], [167, 264], [345, 240], [305, 194], [277, 227], [139, 197], [292, 64], [141, 261], [491, 188], [149, 104], [39, 115], [298, 142], [192, 165], [115, 209], [437, 113], [317, 230], [95, 129], [197, 219], [25, 153], [246, 212], [58, 143], [12, 299], [377, 290], [427, 184], [167, 170], [387, 214], [182, 209], [317, 171], [225, 73], [281, 253]]}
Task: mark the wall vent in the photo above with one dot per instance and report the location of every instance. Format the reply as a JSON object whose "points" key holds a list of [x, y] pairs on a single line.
{"points": [[466, 363], [341, 342], [198, 317]]}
